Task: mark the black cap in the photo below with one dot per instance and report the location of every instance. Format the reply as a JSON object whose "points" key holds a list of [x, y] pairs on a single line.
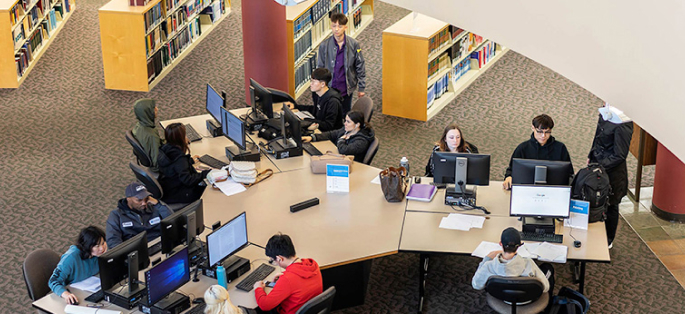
{"points": [[511, 238]]}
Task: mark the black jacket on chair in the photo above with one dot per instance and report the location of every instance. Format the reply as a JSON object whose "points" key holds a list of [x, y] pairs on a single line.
{"points": [[610, 149], [179, 179], [531, 149]]}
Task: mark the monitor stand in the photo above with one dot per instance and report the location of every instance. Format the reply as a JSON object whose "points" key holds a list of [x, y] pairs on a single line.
{"points": [[251, 153], [455, 196], [284, 150], [254, 120]]}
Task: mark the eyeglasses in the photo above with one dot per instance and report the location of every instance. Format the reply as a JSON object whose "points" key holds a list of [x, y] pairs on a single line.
{"points": [[272, 261], [541, 132]]}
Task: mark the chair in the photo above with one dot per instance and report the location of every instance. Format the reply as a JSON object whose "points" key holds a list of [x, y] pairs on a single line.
{"points": [[145, 177], [320, 304], [365, 105], [516, 295], [371, 152], [37, 269], [141, 154]]}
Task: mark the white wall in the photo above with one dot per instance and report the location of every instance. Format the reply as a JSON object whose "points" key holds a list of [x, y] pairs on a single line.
{"points": [[629, 53]]}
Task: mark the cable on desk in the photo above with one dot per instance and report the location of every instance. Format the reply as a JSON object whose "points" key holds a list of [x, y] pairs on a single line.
{"points": [[257, 245]]}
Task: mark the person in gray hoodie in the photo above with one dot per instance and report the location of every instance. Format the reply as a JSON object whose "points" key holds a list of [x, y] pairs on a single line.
{"points": [[507, 263], [145, 130]]}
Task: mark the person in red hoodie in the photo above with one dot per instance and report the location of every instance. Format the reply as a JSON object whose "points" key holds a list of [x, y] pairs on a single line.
{"points": [[300, 282]]}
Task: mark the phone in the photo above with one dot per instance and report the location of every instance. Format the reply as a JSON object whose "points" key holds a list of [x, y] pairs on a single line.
{"points": [[270, 284]]}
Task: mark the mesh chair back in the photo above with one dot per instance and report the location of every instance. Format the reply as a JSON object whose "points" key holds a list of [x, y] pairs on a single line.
{"points": [[148, 180], [365, 105], [371, 152], [514, 289], [37, 269], [320, 304], [138, 150]]}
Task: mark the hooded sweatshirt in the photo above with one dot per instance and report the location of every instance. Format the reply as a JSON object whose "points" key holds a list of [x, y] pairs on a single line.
{"points": [[300, 282], [357, 145], [178, 177], [515, 267], [145, 131], [327, 111], [531, 149], [124, 223]]}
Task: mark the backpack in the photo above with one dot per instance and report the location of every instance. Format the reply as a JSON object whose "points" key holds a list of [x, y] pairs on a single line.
{"points": [[592, 184], [569, 301]]}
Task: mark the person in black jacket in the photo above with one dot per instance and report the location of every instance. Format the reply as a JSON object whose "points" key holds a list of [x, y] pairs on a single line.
{"points": [[610, 149], [451, 141], [353, 139], [327, 109], [541, 145], [180, 181]]}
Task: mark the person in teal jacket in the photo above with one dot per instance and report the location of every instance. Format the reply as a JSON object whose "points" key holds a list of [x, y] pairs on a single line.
{"points": [[78, 263], [145, 131]]}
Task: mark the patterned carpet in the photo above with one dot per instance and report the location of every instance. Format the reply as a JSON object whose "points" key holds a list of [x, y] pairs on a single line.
{"points": [[65, 159]]}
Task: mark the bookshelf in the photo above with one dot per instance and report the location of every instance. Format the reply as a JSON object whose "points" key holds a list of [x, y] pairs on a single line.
{"points": [[142, 44], [427, 63], [308, 24], [27, 28]]}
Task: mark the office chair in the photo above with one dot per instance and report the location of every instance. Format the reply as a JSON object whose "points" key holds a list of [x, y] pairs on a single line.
{"points": [[145, 177], [365, 105], [141, 154], [371, 152], [37, 269], [320, 304], [516, 295]]}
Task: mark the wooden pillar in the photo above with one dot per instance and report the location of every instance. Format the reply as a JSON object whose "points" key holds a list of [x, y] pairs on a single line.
{"points": [[668, 201]]}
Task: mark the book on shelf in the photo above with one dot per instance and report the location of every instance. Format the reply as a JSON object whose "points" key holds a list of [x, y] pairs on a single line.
{"points": [[481, 57], [303, 45], [303, 73], [319, 10], [345, 6], [357, 18]]}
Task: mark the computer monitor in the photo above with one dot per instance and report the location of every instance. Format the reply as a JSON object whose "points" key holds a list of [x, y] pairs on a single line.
{"points": [[214, 102], [233, 128], [167, 276], [533, 171], [228, 239], [471, 169], [540, 201], [114, 265], [262, 100], [292, 126], [175, 229]]}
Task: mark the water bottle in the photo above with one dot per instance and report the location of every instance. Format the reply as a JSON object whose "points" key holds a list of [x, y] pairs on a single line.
{"points": [[221, 276], [405, 163]]}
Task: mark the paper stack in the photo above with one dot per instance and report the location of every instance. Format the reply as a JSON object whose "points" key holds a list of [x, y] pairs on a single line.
{"points": [[549, 252], [462, 222]]}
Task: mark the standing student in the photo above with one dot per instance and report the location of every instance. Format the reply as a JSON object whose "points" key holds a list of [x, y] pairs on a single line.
{"points": [[610, 149], [145, 130], [342, 56], [453, 141], [327, 110], [352, 139], [78, 263]]}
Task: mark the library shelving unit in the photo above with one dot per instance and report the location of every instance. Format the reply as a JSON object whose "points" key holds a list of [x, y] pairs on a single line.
{"points": [[27, 28], [427, 63], [308, 24], [142, 44]]}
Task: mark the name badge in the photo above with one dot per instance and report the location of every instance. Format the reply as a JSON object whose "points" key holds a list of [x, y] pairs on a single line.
{"points": [[155, 221], [127, 224]]}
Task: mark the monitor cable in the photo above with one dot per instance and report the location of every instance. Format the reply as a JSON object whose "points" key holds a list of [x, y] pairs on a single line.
{"points": [[466, 206]]}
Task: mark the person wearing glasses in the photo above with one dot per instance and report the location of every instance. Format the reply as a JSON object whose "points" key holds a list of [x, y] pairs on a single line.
{"points": [[300, 282], [541, 145]]}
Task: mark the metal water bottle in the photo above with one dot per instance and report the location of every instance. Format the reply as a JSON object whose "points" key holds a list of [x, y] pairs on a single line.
{"points": [[221, 276]]}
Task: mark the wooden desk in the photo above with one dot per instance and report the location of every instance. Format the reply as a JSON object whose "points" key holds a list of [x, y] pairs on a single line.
{"points": [[492, 197]]}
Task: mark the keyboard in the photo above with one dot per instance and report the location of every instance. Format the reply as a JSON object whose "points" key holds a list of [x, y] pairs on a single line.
{"points": [[96, 297], [258, 274], [154, 249], [542, 237], [192, 135], [212, 162], [198, 309], [311, 150]]}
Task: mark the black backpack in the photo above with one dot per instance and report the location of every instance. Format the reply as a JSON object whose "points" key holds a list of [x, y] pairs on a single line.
{"points": [[591, 184], [569, 301]]}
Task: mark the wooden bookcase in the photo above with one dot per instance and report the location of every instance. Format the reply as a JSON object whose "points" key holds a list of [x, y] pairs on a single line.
{"points": [[126, 53], [35, 29], [407, 59], [320, 30]]}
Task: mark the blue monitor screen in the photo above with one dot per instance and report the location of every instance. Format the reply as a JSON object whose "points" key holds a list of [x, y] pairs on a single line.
{"points": [[168, 276], [214, 102], [227, 240]]}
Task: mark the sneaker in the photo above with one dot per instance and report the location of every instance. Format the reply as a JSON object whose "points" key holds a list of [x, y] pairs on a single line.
{"points": [[611, 245]]}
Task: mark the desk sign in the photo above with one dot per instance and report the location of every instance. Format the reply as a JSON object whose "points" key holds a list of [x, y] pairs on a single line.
{"points": [[337, 178], [578, 217]]}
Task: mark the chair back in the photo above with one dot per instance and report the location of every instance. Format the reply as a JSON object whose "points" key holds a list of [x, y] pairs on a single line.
{"points": [[365, 105], [515, 290], [320, 304], [138, 150], [148, 180], [37, 269], [371, 152]]}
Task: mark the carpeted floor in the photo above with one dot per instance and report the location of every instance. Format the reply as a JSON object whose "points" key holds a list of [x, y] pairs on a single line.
{"points": [[65, 159]]}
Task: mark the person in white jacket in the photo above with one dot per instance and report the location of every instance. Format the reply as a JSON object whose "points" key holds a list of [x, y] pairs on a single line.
{"points": [[509, 264]]}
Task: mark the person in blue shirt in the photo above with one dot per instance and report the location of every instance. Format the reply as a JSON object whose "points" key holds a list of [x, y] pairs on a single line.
{"points": [[78, 263]]}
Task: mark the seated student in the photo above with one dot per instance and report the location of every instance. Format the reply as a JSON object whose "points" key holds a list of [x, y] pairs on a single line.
{"points": [[136, 213], [79, 262], [180, 181], [145, 130], [327, 110], [451, 141], [300, 282], [218, 302], [508, 263], [352, 139], [541, 145]]}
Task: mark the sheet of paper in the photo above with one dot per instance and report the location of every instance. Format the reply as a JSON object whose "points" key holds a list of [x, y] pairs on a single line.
{"points": [[90, 284], [523, 252], [230, 187], [376, 180], [485, 247], [447, 223], [530, 247], [473, 220], [78, 309], [549, 252]]}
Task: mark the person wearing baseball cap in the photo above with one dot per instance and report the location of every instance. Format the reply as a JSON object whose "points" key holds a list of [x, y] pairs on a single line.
{"points": [[136, 213], [508, 263]]}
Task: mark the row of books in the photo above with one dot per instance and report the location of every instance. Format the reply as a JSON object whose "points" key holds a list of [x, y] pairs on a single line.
{"points": [[169, 5], [19, 9], [357, 18], [174, 47], [303, 73], [25, 53], [439, 88], [435, 42], [35, 18], [438, 64], [321, 29], [166, 29], [302, 23], [320, 9], [481, 57], [455, 31], [153, 16], [303, 46], [460, 68]]}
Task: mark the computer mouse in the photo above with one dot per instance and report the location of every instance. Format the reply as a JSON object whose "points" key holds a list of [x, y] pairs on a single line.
{"points": [[199, 300], [576, 243], [74, 303]]}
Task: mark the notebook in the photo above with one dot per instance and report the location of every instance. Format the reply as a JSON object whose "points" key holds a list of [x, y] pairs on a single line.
{"points": [[422, 192]]}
